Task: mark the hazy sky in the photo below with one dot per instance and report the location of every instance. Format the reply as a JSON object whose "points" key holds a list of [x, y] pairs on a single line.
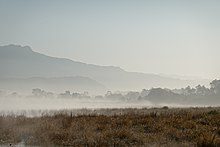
{"points": [[153, 36]]}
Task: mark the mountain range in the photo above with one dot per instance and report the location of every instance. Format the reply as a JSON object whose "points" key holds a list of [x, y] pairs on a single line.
{"points": [[23, 65]]}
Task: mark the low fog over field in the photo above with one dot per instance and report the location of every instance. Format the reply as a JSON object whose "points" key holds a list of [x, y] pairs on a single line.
{"points": [[155, 97], [109, 54], [13, 104], [33, 81], [110, 73]]}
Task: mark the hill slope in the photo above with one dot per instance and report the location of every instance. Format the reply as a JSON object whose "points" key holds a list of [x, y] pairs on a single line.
{"points": [[60, 84], [23, 62]]}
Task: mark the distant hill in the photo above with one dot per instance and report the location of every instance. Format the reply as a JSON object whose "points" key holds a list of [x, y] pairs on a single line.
{"points": [[60, 84], [22, 62]]}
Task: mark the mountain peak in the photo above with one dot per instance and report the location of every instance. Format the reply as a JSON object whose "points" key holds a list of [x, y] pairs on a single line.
{"points": [[13, 47], [15, 51]]}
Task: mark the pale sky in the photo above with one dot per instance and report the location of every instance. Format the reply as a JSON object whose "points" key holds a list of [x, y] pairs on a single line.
{"points": [[180, 37]]}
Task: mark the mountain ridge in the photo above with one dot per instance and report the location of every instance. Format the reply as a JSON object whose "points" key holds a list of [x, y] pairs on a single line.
{"points": [[29, 49], [22, 62], [54, 84]]}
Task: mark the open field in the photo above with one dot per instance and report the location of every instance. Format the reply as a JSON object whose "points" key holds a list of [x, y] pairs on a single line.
{"points": [[114, 127]]}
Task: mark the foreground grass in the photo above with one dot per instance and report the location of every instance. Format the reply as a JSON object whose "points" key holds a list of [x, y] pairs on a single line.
{"points": [[116, 127]]}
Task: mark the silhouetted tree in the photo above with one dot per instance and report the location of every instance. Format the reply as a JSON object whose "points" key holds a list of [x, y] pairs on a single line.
{"points": [[215, 86], [189, 91], [111, 95], [132, 95], [163, 95], [144, 93], [41, 93], [65, 95], [202, 90], [37, 92]]}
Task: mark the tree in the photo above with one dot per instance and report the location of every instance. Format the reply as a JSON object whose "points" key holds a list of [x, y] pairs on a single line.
{"points": [[41, 93], [202, 90], [189, 91], [163, 95], [215, 86], [144, 93], [111, 95], [37, 92], [67, 94], [132, 95]]}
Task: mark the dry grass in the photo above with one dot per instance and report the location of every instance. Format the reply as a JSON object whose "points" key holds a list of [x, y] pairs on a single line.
{"points": [[117, 127]]}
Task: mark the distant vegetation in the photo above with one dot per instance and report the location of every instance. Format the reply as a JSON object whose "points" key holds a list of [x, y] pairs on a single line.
{"points": [[198, 95], [115, 127]]}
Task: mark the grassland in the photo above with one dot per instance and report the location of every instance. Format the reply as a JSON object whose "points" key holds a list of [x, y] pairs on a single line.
{"points": [[115, 127]]}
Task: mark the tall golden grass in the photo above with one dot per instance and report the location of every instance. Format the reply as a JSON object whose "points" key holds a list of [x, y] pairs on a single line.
{"points": [[117, 127]]}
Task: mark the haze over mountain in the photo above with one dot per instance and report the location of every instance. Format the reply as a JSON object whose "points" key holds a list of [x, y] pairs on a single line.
{"points": [[59, 84], [22, 62]]}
